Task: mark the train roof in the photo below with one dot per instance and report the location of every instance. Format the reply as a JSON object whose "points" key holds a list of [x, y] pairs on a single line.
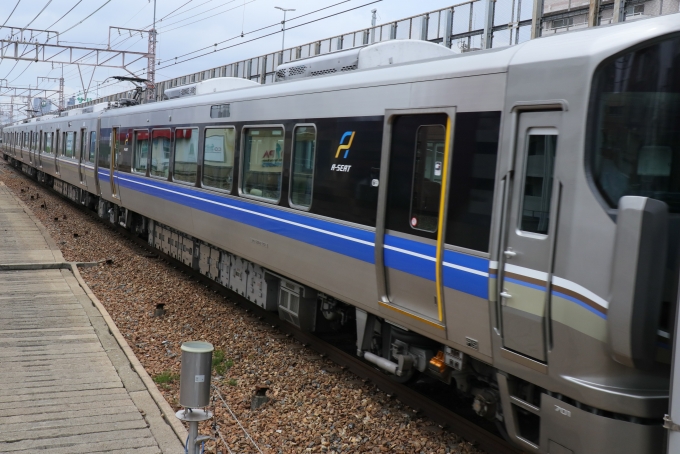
{"points": [[584, 47]]}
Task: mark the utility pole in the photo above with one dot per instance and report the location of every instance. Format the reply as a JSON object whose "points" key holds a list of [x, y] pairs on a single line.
{"points": [[29, 108], [374, 20], [283, 38], [151, 66], [61, 90]]}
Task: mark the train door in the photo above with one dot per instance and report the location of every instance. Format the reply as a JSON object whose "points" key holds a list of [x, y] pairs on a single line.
{"points": [[115, 145], [56, 142], [82, 156], [411, 215], [526, 262], [34, 137]]}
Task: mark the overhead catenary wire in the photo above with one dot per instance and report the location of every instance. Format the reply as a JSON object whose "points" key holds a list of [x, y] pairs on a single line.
{"points": [[264, 36], [86, 18], [65, 14], [33, 20], [10, 14], [205, 18], [260, 29], [259, 37], [203, 12]]}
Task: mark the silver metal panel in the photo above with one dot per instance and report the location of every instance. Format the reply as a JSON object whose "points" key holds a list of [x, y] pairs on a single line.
{"points": [[523, 250], [468, 316]]}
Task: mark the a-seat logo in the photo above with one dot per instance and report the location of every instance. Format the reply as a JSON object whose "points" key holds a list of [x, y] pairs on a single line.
{"points": [[349, 134]]}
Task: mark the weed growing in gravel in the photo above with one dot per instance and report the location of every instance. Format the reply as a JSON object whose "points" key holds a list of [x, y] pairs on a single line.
{"points": [[220, 364], [165, 378], [231, 382]]}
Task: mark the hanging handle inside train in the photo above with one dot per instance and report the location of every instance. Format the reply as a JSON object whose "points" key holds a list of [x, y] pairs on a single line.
{"points": [[637, 280]]}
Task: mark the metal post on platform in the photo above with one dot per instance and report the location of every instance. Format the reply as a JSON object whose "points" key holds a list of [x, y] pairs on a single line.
{"points": [[194, 391]]}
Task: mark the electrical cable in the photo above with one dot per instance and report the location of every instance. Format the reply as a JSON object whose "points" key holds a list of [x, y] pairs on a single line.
{"points": [[202, 12], [205, 18], [185, 4], [95, 11], [36, 16], [264, 36], [260, 29], [10, 14], [259, 37], [65, 14], [236, 419]]}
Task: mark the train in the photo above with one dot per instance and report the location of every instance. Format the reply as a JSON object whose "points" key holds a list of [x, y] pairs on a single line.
{"points": [[501, 220]]}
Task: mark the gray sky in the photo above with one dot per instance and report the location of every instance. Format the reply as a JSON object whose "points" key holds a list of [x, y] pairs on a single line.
{"points": [[179, 33]]}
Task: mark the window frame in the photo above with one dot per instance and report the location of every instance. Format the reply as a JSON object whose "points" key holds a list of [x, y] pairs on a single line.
{"points": [[544, 132], [92, 151], [173, 147], [413, 177], [235, 170], [134, 152], [292, 163], [242, 151], [49, 134], [172, 133]]}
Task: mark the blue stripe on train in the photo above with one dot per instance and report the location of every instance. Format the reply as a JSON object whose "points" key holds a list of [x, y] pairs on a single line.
{"points": [[341, 239]]}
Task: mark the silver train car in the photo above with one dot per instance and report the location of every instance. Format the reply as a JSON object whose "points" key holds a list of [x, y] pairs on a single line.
{"points": [[500, 220]]}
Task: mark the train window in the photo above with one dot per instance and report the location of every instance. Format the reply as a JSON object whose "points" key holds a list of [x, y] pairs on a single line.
{"points": [[302, 173], [160, 152], [262, 162], [633, 134], [48, 142], [472, 178], [69, 145], [538, 180], [141, 152], [93, 146], [427, 178], [82, 153], [186, 155], [219, 111], [218, 158]]}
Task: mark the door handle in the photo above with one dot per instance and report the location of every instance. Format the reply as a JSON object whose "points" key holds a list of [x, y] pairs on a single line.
{"points": [[509, 254], [506, 295]]}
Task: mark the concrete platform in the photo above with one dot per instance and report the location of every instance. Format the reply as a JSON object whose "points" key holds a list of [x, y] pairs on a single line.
{"points": [[68, 381]]}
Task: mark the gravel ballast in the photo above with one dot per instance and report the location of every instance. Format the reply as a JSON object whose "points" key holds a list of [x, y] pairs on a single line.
{"points": [[314, 406]]}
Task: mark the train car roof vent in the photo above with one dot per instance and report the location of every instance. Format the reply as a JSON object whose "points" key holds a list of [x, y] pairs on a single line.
{"points": [[215, 85], [89, 109], [382, 54], [72, 112], [99, 107]]}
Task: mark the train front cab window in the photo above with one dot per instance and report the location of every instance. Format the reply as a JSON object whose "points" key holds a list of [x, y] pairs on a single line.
{"points": [[219, 146], [634, 125], [185, 164], [302, 166], [160, 153], [633, 143], [262, 163]]}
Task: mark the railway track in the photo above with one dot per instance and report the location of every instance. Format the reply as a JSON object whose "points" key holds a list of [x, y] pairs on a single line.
{"points": [[441, 415]]}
